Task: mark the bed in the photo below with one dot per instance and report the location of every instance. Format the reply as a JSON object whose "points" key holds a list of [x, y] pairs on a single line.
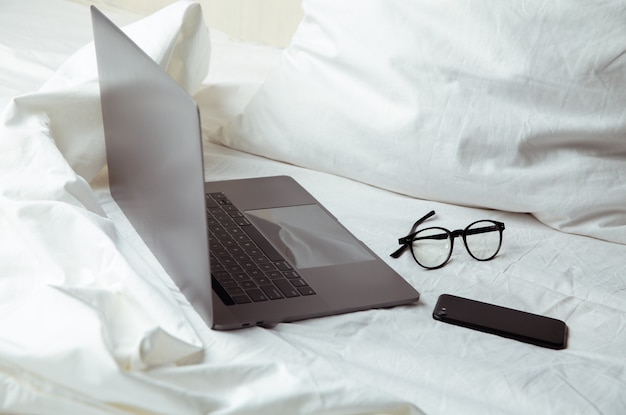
{"points": [[384, 111]]}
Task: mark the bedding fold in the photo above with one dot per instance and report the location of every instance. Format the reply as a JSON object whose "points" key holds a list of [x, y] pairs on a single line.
{"points": [[64, 278], [175, 37]]}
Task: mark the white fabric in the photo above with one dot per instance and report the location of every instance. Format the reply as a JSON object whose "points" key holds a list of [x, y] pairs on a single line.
{"points": [[516, 106], [81, 332], [56, 305], [175, 37]]}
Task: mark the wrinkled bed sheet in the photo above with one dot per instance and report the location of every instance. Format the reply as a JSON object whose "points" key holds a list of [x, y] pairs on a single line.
{"points": [[91, 324]]}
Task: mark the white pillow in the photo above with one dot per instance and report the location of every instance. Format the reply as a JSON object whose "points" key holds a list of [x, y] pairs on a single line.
{"points": [[517, 106]]}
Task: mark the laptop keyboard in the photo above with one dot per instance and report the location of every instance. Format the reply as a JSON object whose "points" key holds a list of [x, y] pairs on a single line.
{"points": [[245, 267]]}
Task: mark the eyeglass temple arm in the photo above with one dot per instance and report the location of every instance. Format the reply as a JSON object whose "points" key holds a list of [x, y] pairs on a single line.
{"points": [[406, 240], [420, 221]]}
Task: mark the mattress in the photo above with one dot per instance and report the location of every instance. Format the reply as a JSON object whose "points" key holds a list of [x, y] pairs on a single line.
{"points": [[92, 324]]}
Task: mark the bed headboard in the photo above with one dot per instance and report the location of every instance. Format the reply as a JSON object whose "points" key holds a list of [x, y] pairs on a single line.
{"points": [[269, 21]]}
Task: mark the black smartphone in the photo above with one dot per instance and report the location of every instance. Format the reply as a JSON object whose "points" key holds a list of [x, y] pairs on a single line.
{"points": [[507, 322]]}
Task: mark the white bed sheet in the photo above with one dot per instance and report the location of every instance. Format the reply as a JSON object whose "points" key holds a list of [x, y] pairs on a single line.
{"points": [[82, 332]]}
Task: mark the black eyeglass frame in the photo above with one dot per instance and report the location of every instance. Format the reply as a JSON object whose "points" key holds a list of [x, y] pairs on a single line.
{"points": [[406, 241]]}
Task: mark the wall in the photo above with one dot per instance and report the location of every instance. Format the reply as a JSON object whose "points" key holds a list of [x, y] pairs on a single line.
{"points": [[265, 21]]}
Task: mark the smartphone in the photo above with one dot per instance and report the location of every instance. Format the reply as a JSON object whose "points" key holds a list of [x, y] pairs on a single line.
{"points": [[506, 322]]}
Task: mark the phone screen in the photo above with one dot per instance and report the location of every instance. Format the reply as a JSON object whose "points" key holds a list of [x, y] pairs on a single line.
{"points": [[507, 322]]}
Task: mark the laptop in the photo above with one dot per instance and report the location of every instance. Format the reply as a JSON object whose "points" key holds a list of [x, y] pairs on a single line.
{"points": [[255, 251]]}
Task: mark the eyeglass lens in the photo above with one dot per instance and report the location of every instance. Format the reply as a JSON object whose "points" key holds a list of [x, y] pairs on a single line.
{"points": [[432, 247], [482, 240]]}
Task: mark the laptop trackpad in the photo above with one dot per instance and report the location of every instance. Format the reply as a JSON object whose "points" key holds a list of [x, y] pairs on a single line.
{"points": [[308, 237]]}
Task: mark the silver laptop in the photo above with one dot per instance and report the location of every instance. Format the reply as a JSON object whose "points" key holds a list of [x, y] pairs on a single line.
{"points": [[256, 251]]}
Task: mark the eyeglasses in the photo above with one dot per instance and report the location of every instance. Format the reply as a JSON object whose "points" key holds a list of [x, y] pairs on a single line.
{"points": [[432, 247]]}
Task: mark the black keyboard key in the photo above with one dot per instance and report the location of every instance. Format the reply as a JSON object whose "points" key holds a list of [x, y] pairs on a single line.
{"points": [[240, 237], [210, 202], [248, 265], [263, 281], [291, 274], [283, 265], [253, 251], [272, 292], [221, 216], [306, 290], [227, 261], [298, 282], [214, 244], [220, 252], [241, 221], [216, 227], [255, 273], [218, 195], [247, 285], [234, 291], [274, 274], [221, 275], [241, 276], [223, 237], [248, 245], [233, 268], [286, 288], [227, 283], [229, 243], [261, 259], [235, 250], [232, 230], [262, 243], [224, 202], [241, 257], [242, 299], [257, 295], [221, 234]]}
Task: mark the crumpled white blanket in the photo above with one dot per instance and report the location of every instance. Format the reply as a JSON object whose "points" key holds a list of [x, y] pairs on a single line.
{"points": [[88, 323], [63, 277]]}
